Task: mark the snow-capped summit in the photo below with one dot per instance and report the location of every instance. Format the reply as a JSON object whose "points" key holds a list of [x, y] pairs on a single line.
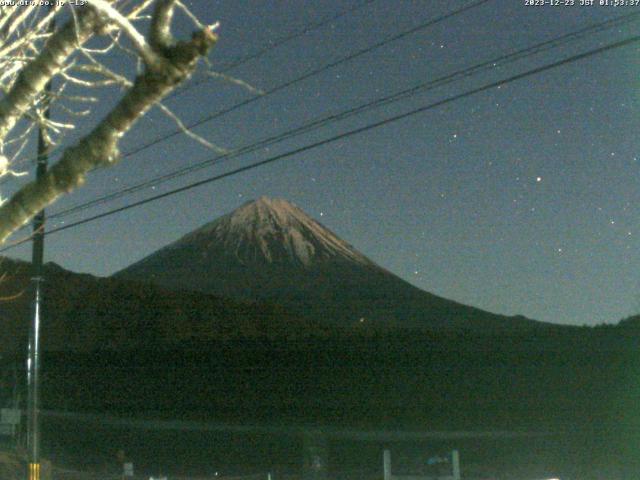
{"points": [[272, 230]]}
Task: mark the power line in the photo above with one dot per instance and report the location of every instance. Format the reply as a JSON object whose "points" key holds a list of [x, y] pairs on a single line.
{"points": [[296, 80], [310, 74], [323, 121], [303, 31], [277, 43], [305, 76], [351, 133], [252, 56]]}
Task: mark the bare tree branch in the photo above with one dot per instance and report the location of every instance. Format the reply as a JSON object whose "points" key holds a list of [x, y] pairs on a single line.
{"points": [[202, 141], [100, 147], [35, 75], [160, 34], [145, 51]]}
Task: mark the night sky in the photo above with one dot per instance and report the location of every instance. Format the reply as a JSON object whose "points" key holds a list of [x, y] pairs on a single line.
{"points": [[523, 199]]}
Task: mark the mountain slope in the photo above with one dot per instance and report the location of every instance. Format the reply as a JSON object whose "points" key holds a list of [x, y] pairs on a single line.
{"points": [[83, 313], [271, 250]]}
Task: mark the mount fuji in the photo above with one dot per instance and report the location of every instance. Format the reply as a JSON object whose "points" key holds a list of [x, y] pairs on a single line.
{"points": [[269, 250]]}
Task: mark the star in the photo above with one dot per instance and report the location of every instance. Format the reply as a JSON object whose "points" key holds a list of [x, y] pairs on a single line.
{"points": [[538, 179]]}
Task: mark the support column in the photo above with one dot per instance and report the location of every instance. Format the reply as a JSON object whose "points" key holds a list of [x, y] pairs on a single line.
{"points": [[455, 464], [386, 464], [315, 453]]}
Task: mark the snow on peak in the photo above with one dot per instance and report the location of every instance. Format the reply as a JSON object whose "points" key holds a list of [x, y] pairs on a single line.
{"points": [[274, 228]]}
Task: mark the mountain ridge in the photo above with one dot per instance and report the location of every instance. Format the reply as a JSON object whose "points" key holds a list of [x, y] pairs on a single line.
{"points": [[84, 313]]}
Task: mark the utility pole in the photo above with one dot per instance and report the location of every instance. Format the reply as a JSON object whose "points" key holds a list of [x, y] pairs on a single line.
{"points": [[33, 359]]}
